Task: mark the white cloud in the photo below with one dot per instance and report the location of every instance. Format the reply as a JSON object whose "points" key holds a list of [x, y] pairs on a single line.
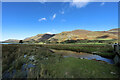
{"points": [[54, 16], [79, 3], [53, 31], [49, 32], [42, 19], [42, 1], [102, 3]]}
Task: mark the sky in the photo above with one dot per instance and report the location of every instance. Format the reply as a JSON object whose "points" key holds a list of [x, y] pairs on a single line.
{"points": [[25, 19]]}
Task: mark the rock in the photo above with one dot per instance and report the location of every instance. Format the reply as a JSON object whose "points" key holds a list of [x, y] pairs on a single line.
{"points": [[25, 56], [31, 58], [112, 72], [94, 59], [81, 58]]}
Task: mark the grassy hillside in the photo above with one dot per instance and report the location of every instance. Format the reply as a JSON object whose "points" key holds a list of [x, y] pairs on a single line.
{"points": [[71, 35], [76, 35]]}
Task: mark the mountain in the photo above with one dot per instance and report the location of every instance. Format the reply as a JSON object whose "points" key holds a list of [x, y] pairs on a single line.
{"points": [[39, 38], [11, 41], [78, 34], [113, 30]]}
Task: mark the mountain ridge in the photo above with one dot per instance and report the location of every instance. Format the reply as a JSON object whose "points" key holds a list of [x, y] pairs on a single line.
{"points": [[78, 34]]}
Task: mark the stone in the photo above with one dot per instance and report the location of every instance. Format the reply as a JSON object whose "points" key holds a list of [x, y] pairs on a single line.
{"points": [[112, 72]]}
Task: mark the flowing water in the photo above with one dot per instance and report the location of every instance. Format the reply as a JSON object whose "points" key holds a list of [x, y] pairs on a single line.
{"points": [[82, 55]]}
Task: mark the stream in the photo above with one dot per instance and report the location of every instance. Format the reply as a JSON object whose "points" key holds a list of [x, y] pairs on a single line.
{"points": [[82, 55]]}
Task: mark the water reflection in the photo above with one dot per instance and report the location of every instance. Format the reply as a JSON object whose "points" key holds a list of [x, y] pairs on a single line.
{"points": [[24, 70], [67, 53]]}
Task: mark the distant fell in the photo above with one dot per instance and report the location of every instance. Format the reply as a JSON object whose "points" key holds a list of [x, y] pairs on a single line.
{"points": [[78, 34]]}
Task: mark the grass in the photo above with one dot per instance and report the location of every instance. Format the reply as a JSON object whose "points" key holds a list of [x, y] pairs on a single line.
{"points": [[52, 65], [104, 39], [91, 43], [102, 50], [77, 68]]}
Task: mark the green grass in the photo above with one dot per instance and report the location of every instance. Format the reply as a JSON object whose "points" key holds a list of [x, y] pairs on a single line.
{"points": [[0, 68], [104, 39], [102, 50], [51, 65], [77, 68], [89, 43]]}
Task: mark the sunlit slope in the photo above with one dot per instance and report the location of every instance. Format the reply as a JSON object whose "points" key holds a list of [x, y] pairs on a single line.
{"points": [[78, 34], [75, 35]]}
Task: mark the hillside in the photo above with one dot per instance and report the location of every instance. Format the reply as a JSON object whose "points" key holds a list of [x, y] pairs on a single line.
{"points": [[113, 30], [11, 41], [39, 38], [75, 35]]}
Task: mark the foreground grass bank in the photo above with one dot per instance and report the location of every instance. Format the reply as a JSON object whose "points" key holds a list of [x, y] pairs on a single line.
{"points": [[83, 68], [35, 61], [102, 50]]}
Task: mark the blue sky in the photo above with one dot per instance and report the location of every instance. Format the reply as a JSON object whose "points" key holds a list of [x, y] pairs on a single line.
{"points": [[26, 19]]}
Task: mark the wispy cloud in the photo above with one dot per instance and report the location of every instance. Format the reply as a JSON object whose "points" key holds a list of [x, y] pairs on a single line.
{"points": [[102, 3], [42, 1], [63, 20], [79, 3], [42, 19], [54, 16], [62, 12]]}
